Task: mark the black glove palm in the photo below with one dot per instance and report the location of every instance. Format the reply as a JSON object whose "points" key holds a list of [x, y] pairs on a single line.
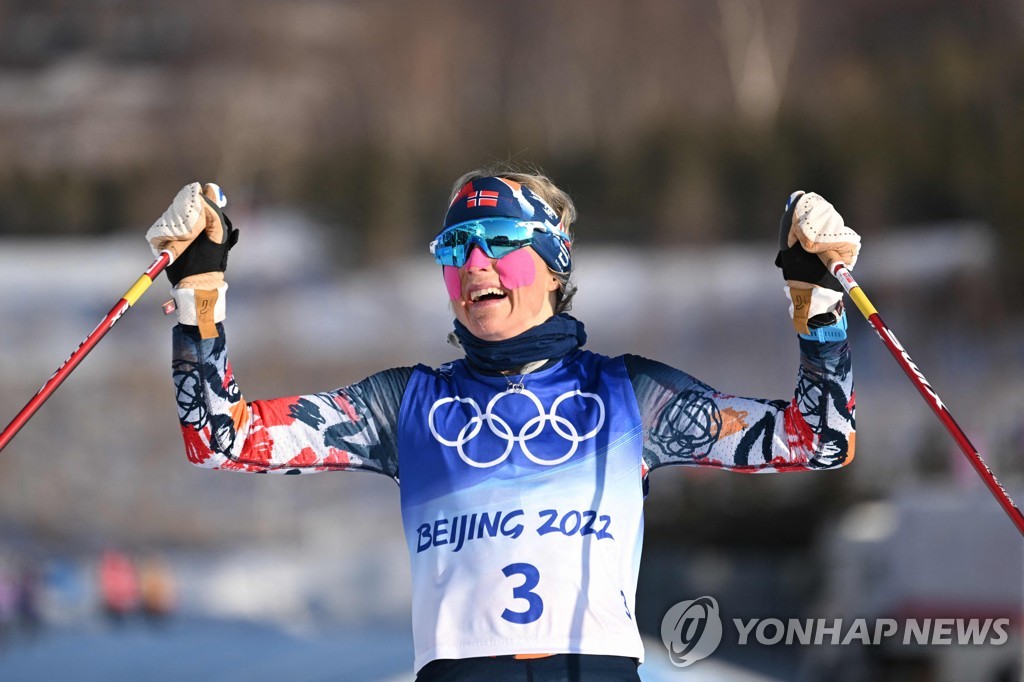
{"points": [[205, 255], [800, 266], [797, 264]]}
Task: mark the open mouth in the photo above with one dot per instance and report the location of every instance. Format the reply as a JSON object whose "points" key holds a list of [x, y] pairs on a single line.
{"points": [[491, 294]]}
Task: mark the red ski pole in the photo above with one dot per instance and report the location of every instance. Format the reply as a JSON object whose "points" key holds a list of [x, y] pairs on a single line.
{"points": [[842, 273], [165, 258]]}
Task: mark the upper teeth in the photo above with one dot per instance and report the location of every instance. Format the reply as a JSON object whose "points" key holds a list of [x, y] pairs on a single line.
{"points": [[475, 296]]}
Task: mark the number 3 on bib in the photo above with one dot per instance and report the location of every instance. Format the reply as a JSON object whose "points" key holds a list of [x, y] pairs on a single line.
{"points": [[524, 591]]}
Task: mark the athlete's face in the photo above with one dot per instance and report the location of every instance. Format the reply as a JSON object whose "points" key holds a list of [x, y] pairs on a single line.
{"points": [[497, 299]]}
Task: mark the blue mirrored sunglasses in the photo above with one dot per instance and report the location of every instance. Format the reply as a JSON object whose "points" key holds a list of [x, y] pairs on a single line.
{"points": [[496, 237]]}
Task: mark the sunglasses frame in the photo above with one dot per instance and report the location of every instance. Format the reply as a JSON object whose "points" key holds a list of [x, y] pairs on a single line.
{"points": [[478, 237]]}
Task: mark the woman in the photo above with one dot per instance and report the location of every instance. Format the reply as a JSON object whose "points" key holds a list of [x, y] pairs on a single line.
{"points": [[523, 466]]}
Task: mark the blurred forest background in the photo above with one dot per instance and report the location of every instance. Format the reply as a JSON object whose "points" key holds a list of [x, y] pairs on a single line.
{"points": [[670, 122], [679, 127]]}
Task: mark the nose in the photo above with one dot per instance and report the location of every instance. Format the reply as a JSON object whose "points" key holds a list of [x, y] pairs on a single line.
{"points": [[477, 260]]}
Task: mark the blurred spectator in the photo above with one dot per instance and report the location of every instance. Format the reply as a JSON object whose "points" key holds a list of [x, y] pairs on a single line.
{"points": [[28, 594], [119, 586], [157, 588], [69, 590], [8, 604]]}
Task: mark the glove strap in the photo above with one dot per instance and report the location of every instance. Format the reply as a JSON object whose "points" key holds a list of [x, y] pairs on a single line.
{"points": [[203, 308], [832, 332]]}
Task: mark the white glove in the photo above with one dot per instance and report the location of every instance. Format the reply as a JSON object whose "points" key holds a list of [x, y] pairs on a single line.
{"points": [[811, 235], [819, 228], [199, 298], [185, 218]]}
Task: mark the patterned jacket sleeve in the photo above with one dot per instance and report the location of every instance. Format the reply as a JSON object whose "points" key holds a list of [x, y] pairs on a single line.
{"points": [[351, 428], [688, 422]]}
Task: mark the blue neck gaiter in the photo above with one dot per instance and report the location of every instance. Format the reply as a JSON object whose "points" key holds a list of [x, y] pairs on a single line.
{"points": [[555, 338]]}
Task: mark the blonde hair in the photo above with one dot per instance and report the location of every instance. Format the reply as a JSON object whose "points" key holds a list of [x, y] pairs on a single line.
{"points": [[541, 185]]}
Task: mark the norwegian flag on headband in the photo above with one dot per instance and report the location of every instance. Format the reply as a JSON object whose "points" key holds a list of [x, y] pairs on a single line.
{"points": [[499, 198], [482, 198], [503, 198]]}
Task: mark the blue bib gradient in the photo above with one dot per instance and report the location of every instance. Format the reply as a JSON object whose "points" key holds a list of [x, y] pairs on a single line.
{"points": [[462, 431]]}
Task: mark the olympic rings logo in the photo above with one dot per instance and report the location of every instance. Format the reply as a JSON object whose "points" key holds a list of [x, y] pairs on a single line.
{"points": [[530, 430]]}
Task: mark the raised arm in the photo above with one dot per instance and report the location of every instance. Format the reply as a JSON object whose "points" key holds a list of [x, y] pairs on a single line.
{"points": [[688, 422], [347, 429]]}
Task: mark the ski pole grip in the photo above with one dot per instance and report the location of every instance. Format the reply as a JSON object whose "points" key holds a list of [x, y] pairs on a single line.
{"points": [[214, 228], [211, 224], [829, 258], [177, 248]]}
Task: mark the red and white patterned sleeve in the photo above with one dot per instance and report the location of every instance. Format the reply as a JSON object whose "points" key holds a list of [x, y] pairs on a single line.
{"points": [[687, 422], [351, 428]]}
